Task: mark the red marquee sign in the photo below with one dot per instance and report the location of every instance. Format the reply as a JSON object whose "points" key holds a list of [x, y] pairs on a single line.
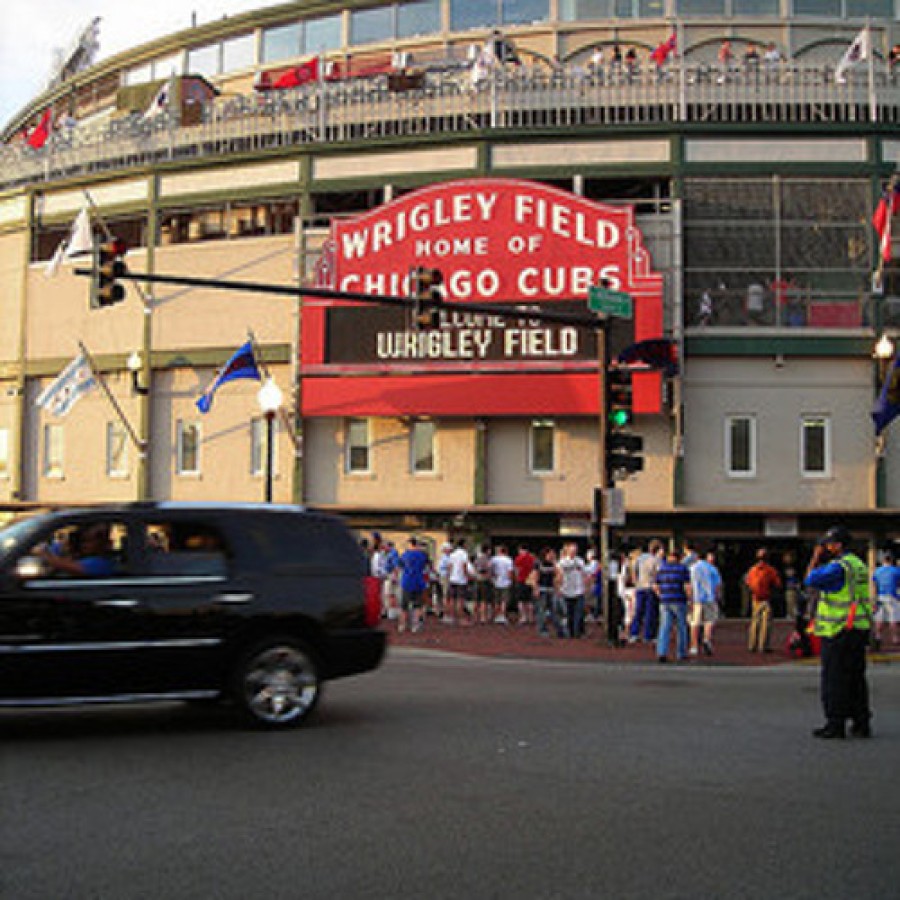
{"points": [[495, 240]]}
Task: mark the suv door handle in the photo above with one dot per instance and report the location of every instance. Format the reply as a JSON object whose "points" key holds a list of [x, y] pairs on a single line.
{"points": [[119, 604], [232, 598]]}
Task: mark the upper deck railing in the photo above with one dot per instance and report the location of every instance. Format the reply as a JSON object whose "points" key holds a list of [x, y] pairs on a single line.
{"points": [[445, 102]]}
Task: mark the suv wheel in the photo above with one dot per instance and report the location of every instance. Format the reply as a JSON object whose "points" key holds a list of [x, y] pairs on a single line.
{"points": [[277, 682]]}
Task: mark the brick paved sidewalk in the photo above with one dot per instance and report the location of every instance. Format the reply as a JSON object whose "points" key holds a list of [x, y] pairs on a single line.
{"points": [[521, 642]]}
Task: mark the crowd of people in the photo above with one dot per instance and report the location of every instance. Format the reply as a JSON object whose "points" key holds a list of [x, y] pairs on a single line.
{"points": [[652, 594]]}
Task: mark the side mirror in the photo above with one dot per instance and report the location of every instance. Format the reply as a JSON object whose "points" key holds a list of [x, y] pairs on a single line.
{"points": [[29, 567]]}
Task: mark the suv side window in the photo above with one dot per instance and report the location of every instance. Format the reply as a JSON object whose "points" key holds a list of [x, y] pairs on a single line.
{"points": [[185, 548], [87, 549]]}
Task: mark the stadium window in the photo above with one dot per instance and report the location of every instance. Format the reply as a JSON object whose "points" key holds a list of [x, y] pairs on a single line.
{"points": [[523, 12], [419, 17], [53, 451], [584, 10], [542, 447], [860, 9], [372, 26], [258, 437], [818, 8], [740, 446], [169, 65], [642, 9], [325, 33], [357, 446], [187, 448], [422, 447], [239, 53], [815, 446], [140, 75], [116, 450], [204, 61], [701, 7], [464, 15], [282, 42], [756, 7]]}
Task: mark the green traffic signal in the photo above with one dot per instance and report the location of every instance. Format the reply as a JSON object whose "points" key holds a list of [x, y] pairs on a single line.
{"points": [[619, 418]]}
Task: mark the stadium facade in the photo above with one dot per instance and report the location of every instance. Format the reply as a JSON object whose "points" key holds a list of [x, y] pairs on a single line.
{"points": [[528, 148]]}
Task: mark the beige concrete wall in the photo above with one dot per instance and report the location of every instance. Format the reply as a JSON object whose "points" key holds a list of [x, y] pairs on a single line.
{"points": [[8, 404], [83, 477], [59, 314], [779, 395], [511, 483], [13, 256], [187, 317], [390, 485], [225, 440]]}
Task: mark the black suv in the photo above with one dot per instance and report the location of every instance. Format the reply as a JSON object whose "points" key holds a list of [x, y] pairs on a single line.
{"points": [[254, 604]]}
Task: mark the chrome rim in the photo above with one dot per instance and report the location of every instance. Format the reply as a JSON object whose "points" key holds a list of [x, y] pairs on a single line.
{"points": [[280, 684]]}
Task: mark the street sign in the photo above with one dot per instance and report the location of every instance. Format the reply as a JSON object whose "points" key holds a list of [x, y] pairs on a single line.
{"points": [[612, 303], [614, 506]]}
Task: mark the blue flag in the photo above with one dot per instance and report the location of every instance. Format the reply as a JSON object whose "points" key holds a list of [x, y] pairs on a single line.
{"points": [[887, 407], [241, 365]]}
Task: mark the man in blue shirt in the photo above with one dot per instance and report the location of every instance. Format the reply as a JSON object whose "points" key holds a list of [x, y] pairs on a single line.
{"points": [[414, 565], [673, 585], [706, 593], [91, 554], [886, 579]]}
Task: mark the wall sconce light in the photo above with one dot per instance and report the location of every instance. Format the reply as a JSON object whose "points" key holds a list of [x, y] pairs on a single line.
{"points": [[135, 364]]}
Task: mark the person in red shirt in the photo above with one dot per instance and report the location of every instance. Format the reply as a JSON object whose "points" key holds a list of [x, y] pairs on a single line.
{"points": [[524, 564], [762, 580]]}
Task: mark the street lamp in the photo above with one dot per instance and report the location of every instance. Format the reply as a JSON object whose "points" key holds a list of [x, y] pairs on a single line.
{"points": [[269, 399], [135, 364], [884, 349]]}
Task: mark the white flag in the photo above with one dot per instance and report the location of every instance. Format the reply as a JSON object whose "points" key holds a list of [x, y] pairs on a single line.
{"points": [[859, 50], [79, 240], [75, 380], [161, 101]]}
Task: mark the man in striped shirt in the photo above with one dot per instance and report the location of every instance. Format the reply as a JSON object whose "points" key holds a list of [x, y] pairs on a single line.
{"points": [[673, 585]]}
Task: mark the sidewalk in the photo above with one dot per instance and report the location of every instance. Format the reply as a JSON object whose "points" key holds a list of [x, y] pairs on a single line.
{"points": [[515, 642]]}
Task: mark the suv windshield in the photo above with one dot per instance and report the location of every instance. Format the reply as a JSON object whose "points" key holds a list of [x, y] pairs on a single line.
{"points": [[19, 534]]}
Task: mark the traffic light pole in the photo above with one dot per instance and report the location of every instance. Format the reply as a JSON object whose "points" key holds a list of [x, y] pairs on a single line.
{"points": [[257, 287], [602, 533]]}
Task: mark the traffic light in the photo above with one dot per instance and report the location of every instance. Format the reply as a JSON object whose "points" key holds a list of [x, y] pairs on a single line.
{"points": [[427, 296], [109, 267], [623, 447], [618, 397]]}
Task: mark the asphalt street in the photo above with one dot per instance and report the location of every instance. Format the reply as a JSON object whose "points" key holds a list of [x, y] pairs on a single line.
{"points": [[443, 777]]}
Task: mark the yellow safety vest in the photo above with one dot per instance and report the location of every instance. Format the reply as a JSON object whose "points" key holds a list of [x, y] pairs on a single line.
{"points": [[833, 609]]}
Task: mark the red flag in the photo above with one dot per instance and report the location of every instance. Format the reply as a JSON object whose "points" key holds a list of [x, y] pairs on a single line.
{"points": [[665, 49], [888, 207], [302, 74], [41, 132]]}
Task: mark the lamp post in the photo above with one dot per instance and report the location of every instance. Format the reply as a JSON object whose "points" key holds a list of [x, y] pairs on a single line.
{"points": [[135, 364], [269, 399]]}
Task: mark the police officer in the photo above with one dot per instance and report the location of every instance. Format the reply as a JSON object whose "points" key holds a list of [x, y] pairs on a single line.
{"points": [[843, 618]]}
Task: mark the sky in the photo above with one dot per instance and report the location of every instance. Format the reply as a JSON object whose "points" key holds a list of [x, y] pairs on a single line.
{"points": [[30, 31]]}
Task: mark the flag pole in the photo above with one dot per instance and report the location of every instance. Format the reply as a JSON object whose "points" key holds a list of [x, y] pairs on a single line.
{"points": [[138, 443], [283, 417], [873, 102]]}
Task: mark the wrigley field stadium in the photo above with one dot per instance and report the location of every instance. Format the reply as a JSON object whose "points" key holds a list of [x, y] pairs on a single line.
{"points": [[719, 176]]}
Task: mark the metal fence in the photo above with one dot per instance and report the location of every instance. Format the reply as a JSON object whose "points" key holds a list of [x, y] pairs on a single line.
{"points": [[450, 102]]}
